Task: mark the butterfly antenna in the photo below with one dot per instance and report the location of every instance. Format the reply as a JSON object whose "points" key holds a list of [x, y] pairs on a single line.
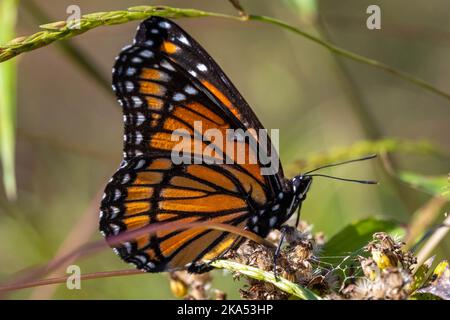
{"points": [[343, 179], [372, 156]]}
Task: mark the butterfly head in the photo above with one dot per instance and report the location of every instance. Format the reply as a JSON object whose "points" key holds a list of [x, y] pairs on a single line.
{"points": [[300, 186]]}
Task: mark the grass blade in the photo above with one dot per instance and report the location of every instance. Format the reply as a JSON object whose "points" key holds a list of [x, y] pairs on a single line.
{"points": [[433, 185], [8, 15], [365, 147]]}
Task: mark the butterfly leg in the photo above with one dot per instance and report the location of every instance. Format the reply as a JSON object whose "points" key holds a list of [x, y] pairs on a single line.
{"points": [[283, 230], [297, 220]]}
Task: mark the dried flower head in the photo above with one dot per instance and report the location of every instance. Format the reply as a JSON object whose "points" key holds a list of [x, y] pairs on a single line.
{"points": [[387, 271], [383, 272], [294, 263], [190, 286]]}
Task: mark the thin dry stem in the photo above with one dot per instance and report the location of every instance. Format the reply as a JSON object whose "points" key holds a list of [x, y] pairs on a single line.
{"points": [[57, 280], [431, 244], [93, 247], [78, 236]]}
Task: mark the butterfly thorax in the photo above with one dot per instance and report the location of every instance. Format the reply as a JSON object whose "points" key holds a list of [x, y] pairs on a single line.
{"points": [[280, 209]]}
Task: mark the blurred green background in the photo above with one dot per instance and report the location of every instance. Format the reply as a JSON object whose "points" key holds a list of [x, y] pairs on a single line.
{"points": [[69, 128]]}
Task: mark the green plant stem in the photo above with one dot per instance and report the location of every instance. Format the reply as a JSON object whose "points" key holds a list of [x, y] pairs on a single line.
{"points": [[61, 31], [361, 148], [258, 274], [353, 56]]}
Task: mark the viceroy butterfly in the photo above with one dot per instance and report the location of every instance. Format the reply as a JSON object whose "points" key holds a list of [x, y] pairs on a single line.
{"points": [[166, 81]]}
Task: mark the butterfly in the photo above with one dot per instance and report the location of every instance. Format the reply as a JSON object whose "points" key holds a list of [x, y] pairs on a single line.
{"points": [[165, 81]]}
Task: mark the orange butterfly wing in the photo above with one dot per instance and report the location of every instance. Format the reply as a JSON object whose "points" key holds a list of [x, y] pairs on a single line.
{"points": [[153, 189], [165, 83]]}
